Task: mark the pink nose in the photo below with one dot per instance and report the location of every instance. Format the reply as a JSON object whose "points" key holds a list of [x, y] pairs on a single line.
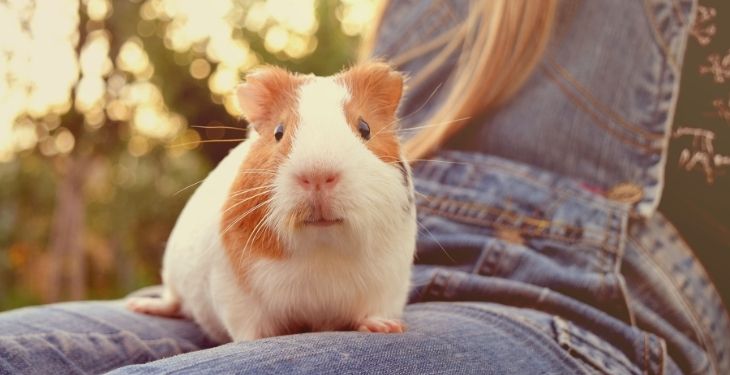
{"points": [[318, 180]]}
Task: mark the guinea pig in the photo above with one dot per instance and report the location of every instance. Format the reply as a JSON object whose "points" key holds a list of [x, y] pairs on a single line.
{"points": [[309, 224]]}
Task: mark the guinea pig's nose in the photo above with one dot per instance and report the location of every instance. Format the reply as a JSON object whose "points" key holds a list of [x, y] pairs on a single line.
{"points": [[318, 180]]}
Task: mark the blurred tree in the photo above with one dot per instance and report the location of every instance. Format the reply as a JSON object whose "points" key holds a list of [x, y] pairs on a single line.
{"points": [[111, 108]]}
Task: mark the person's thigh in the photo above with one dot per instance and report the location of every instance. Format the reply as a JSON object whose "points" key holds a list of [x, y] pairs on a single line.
{"points": [[89, 337], [442, 338]]}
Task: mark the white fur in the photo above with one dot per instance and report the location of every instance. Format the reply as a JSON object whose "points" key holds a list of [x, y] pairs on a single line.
{"points": [[333, 276]]}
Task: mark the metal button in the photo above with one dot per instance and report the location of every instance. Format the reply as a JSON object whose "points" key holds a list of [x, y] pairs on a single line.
{"points": [[625, 192]]}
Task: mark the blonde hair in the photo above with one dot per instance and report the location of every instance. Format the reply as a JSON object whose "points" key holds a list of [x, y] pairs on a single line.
{"points": [[501, 42]]}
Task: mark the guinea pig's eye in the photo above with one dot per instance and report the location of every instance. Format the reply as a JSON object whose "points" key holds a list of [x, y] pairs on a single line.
{"points": [[279, 132], [363, 128]]}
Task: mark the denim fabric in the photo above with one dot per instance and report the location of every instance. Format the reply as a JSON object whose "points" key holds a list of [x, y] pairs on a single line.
{"points": [[567, 251], [88, 338], [559, 278], [606, 89], [454, 338]]}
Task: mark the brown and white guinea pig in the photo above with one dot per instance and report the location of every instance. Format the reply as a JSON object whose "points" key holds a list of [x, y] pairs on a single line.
{"points": [[309, 224]]}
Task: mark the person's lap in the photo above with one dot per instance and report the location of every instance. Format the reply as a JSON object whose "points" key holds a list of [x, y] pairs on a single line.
{"points": [[93, 337], [89, 337], [572, 282]]}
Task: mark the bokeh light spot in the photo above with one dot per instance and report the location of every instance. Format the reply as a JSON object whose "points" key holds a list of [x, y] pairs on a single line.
{"points": [[199, 68], [64, 141], [276, 39]]}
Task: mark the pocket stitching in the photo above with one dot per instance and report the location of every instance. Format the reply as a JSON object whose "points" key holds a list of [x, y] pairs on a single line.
{"points": [[473, 220]]}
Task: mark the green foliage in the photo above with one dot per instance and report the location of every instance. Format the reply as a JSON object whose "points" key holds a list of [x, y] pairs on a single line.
{"points": [[130, 199]]}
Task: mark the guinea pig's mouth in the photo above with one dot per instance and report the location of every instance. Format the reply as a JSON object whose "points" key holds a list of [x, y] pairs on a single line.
{"points": [[322, 222]]}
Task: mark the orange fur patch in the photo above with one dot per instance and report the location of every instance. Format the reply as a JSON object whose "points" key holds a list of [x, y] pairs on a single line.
{"points": [[376, 91], [268, 98]]}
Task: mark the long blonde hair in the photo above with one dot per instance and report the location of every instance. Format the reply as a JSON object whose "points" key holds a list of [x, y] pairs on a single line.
{"points": [[501, 42]]}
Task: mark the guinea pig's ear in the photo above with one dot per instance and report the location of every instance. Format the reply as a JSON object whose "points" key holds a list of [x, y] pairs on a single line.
{"points": [[264, 91], [377, 84]]}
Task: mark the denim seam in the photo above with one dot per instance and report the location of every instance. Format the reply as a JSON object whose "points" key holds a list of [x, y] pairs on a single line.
{"points": [[659, 38], [484, 261], [529, 179], [484, 208], [565, 327], [478, 222], [437, 285], [676, 9], [473, 219], [570, 340], [598, 119], [627, 300], [672, 110], [701, 334], [563, 192], [616, 266], [601, 107]]}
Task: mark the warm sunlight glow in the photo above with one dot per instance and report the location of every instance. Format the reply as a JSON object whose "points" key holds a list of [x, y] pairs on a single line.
{"points": [[356, 15], [132, 57], [32, 36], [98, 9], [199, 68], [297, 16], [47, 74]]}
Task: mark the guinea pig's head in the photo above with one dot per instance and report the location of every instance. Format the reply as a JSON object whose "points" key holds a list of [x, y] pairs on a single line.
{"points": [[326, 157]]}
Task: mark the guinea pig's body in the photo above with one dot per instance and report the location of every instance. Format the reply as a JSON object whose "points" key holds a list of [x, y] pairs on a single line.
{"points": [[308, 225]]}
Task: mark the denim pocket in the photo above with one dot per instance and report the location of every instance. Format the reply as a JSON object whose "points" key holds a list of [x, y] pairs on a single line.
{"points": [[605, 344], [492, 217], [649, 358]]}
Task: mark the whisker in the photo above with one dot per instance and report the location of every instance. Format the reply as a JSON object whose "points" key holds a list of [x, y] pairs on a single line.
{"points": [[241, 192], [238, 203], [217, 127], [187, 187], [256, 228], [254, 233], [242, 216], [260, 169], [437, 241], [388, 127], [428, 99], [421, 194], [257, 172], [207, 141], [440, 161], [411, 161]]}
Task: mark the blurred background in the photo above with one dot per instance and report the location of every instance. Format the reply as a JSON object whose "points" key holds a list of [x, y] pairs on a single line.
{"points": [[111, 111]]}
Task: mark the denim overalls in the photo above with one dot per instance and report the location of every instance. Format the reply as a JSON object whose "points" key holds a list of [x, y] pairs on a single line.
{"points": [[550, 202]]}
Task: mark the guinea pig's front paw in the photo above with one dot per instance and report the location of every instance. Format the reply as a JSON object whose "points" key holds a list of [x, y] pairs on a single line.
{"points": [[380, 325], [154, 306]]}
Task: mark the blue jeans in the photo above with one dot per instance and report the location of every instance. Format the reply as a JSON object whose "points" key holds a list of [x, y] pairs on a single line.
{"points": [[518, 271], [527, 261], [477, 338]]}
